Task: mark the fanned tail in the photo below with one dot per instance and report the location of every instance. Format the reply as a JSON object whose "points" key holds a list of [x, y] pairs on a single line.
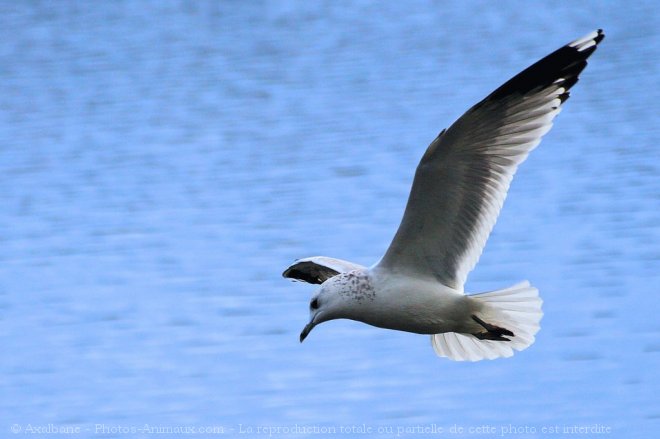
{"points": [[516, 310]]}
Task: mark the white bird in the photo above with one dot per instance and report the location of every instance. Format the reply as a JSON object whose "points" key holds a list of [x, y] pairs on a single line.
{"points": [[458, 191]]}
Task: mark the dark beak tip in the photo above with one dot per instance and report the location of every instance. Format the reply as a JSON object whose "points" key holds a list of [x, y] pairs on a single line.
{"points": [[305, 332]]}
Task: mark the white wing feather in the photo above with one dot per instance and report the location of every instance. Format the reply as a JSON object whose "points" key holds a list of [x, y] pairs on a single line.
{"points": [[463, 178]]}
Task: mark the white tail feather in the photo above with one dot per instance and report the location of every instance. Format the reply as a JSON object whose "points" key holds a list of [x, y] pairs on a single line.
{"points": [[517, 308]]}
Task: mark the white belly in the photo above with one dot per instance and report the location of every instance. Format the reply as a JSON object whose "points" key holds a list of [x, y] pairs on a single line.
{"points": [[413, 305]]}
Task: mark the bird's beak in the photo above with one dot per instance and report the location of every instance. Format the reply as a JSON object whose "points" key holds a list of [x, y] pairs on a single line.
{"points": [[306, 330]]}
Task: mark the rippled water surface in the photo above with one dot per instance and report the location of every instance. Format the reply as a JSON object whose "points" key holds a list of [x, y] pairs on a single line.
{"points": [[161, 163]]}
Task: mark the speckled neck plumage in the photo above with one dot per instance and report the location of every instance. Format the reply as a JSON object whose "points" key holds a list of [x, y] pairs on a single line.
{"points": [[356, 285]]}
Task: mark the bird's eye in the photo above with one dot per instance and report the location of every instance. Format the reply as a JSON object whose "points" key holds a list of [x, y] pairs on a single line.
{"points": [[314, 304]]}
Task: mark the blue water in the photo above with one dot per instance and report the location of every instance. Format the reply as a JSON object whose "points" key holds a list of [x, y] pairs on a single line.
{"points": [[162, 162]]}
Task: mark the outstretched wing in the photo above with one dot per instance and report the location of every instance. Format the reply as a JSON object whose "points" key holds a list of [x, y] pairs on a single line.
{"points": [[318, 269], [462, 180]]}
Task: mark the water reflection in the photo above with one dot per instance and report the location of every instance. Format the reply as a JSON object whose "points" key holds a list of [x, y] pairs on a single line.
{"points": [[162, 163]]}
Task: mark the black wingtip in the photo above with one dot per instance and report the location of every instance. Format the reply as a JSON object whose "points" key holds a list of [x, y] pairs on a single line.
{"points": [[565, 63], [304, 276], [309, 271]]}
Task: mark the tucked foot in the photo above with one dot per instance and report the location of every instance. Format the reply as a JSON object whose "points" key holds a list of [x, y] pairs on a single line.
{"points": [[492, 332]]}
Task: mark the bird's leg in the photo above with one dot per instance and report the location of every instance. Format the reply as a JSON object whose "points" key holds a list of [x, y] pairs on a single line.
{"points": [[492, 332]]}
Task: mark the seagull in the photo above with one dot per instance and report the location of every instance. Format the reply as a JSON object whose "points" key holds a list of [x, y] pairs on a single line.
{"points": [[459, 187]]}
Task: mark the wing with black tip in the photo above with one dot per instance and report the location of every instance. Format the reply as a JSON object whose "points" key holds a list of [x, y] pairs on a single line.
{"points": [[318, 269]]}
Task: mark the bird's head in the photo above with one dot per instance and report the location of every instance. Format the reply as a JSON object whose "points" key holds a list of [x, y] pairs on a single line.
{"points": [[338, 298], [324, 305]]}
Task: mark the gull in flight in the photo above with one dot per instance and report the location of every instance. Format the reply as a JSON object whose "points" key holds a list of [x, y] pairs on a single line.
{"points": [[457, 193]]}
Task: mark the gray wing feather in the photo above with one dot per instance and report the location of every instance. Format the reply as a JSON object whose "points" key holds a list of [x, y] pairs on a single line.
{"points": [[462, 180], [318, 269]]}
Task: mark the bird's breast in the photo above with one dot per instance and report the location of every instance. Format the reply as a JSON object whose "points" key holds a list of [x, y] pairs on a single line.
{"points": [[413, 305]]}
